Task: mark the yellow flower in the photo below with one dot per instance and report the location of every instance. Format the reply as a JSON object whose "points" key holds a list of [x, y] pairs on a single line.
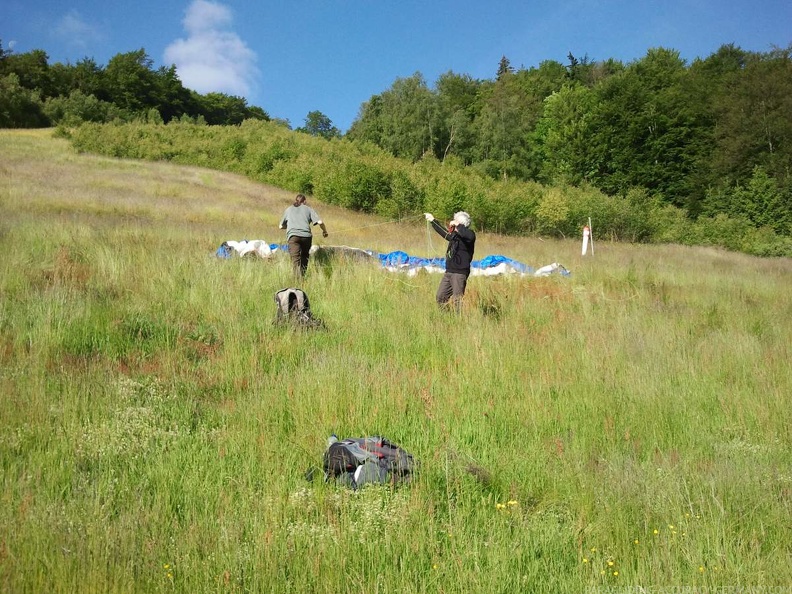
{"points": [[610, 563], [701, 568], [585, 560], [593, 549], [499, 506], [636, 541], [512, 502], [434, 566], [615, 573], [602, 572], [166, 566], [655, 531]]}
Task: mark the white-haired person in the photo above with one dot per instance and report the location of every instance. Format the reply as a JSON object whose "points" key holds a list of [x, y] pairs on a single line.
{"points": [[461, 246]]}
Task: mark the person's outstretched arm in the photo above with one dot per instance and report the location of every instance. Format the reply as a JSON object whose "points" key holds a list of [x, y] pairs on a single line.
{"points": [[442, 231]]}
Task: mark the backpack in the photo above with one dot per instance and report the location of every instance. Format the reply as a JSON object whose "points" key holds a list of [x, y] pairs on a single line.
{"points": [[367, 460], [292, 305]]}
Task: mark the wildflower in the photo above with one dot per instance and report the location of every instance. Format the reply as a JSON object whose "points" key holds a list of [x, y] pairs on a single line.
{"points": [[512, 502], [585, 560], [670, 526], [701, 568], [166, 566], [616, 573], [500, 506], [593, 549], [610, 563], [434, 566], [602, 572], [655, 531], [636, 541]]}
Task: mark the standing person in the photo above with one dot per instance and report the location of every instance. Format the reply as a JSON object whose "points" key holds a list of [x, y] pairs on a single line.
{"points": [[461, 245], [297, 220]]}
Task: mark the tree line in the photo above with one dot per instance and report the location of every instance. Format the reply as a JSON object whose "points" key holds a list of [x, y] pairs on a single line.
{"points": [[711, 137], [35, 94]]}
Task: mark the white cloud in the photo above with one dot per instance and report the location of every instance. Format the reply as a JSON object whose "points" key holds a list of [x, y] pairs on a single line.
{"points": [[212, 58], [76, 31]]}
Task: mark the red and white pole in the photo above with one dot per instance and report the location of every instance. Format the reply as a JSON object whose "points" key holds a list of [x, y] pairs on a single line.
{"points": [[586, 235]]}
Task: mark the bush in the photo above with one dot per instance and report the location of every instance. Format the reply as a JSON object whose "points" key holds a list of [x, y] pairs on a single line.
{"points": [[78, 108], [362, 177], [20, 107]]}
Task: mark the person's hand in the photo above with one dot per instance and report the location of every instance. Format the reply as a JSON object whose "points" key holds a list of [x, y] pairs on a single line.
{"points": [[429, 216], [324, 233]]}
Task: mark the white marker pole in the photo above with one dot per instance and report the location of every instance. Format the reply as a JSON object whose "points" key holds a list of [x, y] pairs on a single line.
{"points": [[586, 234], [591, 237]]}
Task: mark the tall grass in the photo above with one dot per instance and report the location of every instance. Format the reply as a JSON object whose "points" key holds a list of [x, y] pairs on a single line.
{"points": [[627, 426]]}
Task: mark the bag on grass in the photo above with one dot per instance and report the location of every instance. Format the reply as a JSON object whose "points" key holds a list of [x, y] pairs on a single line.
{"points": [[292, 305], [225, 251], [367, 460]]}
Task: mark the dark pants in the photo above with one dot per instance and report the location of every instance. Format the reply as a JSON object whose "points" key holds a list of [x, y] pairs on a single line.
{"points": [[452, 288], [299, 250]]}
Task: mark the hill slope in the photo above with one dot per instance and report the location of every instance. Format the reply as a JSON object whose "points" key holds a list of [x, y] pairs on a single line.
{"points": [[626, 426]]}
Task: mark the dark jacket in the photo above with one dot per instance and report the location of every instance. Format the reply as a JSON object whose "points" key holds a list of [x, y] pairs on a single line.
{"points": [[461, 244]]}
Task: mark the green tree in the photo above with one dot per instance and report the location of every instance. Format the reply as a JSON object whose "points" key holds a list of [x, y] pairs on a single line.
{"points": [[88, 78], [457, 105], [78, 107], [642, 128], [564, 134], [754, 127], [171, 98], [32, 70], [504, 68], [580, 70], [221, 109], [131, 83], [403, 120], [761, 200], [19, 107], [318, 124], [503, 128]]}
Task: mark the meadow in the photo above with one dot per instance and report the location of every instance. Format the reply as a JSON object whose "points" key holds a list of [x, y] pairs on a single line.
{"points": [[626, 428]]}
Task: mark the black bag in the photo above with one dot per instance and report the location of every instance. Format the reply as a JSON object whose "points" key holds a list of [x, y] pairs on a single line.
{"points": [[358, 461]]}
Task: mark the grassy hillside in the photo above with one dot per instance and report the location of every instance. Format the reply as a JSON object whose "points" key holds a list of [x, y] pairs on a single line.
{"points": [[626, 426]]}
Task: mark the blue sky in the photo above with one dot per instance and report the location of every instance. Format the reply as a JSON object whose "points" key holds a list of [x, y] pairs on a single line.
{"points": [[295, 56]]}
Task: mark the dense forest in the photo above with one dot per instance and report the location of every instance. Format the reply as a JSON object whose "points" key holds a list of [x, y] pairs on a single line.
{"points": [[712, 139], [35, 94]]}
